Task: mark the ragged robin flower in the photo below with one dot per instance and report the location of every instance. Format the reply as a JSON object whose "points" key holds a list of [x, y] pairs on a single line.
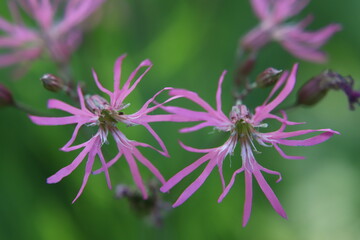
{"points": [[273, 15], [56, 34], [246, 131], [96, 111]]}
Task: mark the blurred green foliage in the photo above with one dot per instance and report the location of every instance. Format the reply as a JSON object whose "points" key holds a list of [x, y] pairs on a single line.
{"points": [[190, 43]]}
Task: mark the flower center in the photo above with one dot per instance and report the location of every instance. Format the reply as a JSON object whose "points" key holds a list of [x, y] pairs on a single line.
{"points": [[107, 116], [243, 129]]}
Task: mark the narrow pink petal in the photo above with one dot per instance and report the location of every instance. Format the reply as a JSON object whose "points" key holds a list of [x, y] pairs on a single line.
{"points": [[248, 198], [221, 174], [126, 89], [149, 165], [71, 167], [281, 152], [19, 56], [271, 172], [193, 97], [256, 39], [277, 135], [108, 164], [81, 145], [186, 171], [186, 113], [308, 142], [57, 104], [314, 39], [289, 85], [270, 195], [135, 171], [218, 92], [5, 25], [54, 120], [277, 86], [134, 143], [304, 52], [284, 122], [261, 8], [117, 72], [158, 139], [81, 99], [196, 127], [75, 13], [74, 135], [98, 84], [284, 9], [11, 42], [197, 183], [105, 168], [229, 186], [144, 109], [88, 167], [15, 14], [262, 111], [191, 149]]}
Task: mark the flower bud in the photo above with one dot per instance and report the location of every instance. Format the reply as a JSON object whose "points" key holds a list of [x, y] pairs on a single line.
{"points": [[313, 91], [52, 83], [6, 98], [268, 77], [96, 103], [317, 87]]}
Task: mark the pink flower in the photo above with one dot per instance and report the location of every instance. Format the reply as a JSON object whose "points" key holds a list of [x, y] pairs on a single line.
{"points": [[96, 111], [293, 37], [243, 127], [58, 37]]}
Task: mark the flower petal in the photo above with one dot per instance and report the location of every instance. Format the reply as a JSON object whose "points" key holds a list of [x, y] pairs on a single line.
{"points": [[248, 198], [281, 152], [149, 165], [186, 171], [218, 92], [196, 184], [229, 186], [54, 120], [134, 171], [270, 195]]}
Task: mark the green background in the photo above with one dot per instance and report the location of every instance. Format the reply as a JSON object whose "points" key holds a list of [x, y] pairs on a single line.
{"points": [[190, 44]]}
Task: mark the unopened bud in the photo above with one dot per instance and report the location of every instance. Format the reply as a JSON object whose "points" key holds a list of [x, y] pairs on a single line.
{"points": [[52, 83], [317, 87], [95, 102], [6, 98], [268, 77], [312, 91]]}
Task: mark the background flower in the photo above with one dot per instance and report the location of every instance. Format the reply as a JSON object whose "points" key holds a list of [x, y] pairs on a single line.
{"points": [[273, 15], [57, 31]]}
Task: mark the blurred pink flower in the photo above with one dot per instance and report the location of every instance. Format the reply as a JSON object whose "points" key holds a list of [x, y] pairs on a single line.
{"points": [[293, 37], [59, 37], [243, 128], [97, 111]]}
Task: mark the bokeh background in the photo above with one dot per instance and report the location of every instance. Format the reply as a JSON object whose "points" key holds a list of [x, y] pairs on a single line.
{"points": [[190, 43]]}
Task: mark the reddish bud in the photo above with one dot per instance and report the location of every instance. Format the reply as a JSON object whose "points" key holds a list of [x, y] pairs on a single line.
{"points": [[317, 87], [312, 91], [52, 83], [6, 98], [268, 77]]}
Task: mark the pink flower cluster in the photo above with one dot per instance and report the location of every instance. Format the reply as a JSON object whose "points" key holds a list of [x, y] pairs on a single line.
{"points": [[57, 37], [245, 129]]}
